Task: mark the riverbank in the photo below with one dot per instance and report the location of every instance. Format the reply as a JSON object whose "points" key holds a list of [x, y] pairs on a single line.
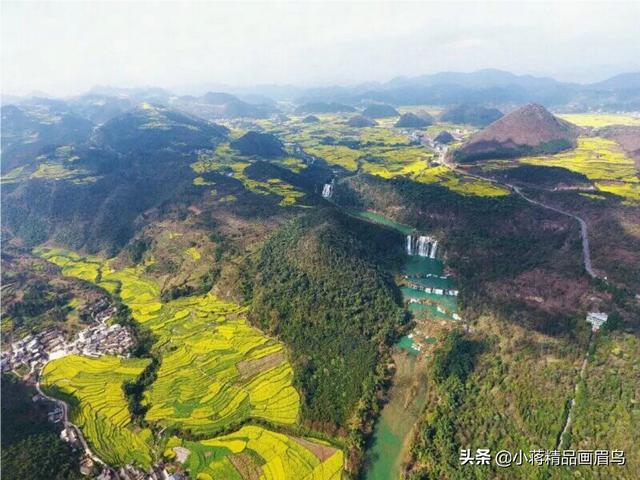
{"points": [[392, 434]]}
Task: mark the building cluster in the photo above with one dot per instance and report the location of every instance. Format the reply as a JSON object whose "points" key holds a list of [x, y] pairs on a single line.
{"points": [[103, 339], [34, 350], [55, 414], [70, 435], [416, 137], [102, 310], [436, 291]]}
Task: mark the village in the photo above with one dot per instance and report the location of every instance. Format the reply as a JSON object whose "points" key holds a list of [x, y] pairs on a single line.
{"points": [[29, 355], [32, 352]]}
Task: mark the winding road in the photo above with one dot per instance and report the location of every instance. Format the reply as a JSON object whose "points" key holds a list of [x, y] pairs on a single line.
{"points": [[584, 232], [583, 228]]}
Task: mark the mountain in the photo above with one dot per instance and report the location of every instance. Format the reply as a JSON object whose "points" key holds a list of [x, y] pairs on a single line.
{"points": [[475, 115], [91, 193], [444, 137], [215, 105], [380, 111], [261, 144], [303, 278], [281, 118], [100, 108], [411, 120], [152, 128], [27, 130], [623, 81], [323, 107], [492, 87], [310, 119], [360, 121], [489, 87], [527, 131], [136, 95], [217, 98], [482, 79]]}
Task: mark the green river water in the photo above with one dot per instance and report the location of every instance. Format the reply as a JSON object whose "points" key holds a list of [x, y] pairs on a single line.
{"points": [[407, 395]]}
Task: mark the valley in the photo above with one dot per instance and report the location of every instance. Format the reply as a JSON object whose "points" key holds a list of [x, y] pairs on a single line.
{"points": [[341, 291], [366, 240]]}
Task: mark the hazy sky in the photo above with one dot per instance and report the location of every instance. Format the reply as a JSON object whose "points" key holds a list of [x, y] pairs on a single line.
{"points": [[65, 48]]}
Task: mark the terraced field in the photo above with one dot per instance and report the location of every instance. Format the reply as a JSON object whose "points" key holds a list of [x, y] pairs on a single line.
{"points": [[256, 453], [215, 371], [460, 183], [93, 389]]}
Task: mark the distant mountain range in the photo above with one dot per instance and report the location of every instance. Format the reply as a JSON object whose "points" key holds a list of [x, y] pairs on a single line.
{"points": [[489, 87]]}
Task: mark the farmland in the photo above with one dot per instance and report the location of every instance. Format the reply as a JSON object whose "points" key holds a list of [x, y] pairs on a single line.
{"points": [[221, 401], [602, 161], [460, 183], [215, 372], [382, 150], [600, 119], [93, 389], [227, 161], [254, 452]]}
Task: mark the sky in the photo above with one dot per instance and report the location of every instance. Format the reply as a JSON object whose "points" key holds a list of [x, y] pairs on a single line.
{"points": [[65, 48]]}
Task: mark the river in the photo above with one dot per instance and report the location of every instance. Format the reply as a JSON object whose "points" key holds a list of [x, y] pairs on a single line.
{"points": [[407, 395]]}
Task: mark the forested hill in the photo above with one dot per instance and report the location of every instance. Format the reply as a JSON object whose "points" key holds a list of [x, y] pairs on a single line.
{"points": [[320, 287], [482, 246]]}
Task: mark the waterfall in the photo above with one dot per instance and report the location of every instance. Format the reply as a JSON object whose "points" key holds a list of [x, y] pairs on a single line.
{"points": [[421, 245], [327, 190], [433, 249]]}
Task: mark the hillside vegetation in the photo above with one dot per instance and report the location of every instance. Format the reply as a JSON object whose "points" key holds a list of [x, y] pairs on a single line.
{"points": [[31, 447], [319, 286]]}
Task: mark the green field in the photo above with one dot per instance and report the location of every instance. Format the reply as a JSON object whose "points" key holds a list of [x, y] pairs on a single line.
{"points": [[215, 371], [459, 183], [228, 161]]}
